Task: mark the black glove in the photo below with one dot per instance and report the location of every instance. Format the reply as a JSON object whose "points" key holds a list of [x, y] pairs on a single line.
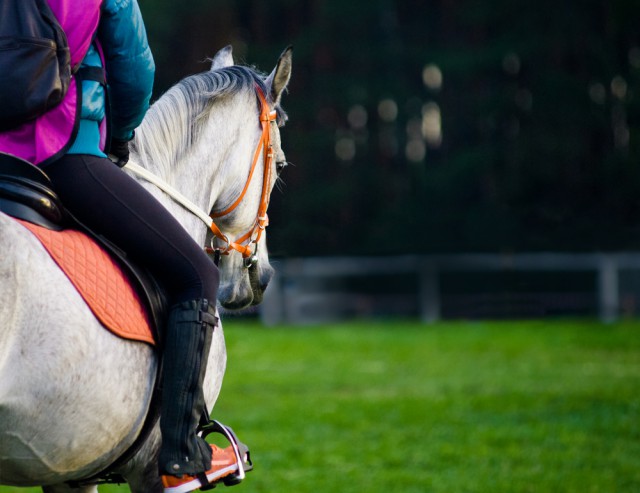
{"points": [[119, 151]]}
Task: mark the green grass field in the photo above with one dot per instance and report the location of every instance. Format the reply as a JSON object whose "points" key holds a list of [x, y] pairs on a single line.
{"points": [[543, 406]]}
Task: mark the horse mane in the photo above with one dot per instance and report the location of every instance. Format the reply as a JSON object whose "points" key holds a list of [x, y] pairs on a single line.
{"points": [[173, 123]]}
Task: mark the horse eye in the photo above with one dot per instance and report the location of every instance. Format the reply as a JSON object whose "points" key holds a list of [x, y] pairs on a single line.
{"points": [[280, 165]]}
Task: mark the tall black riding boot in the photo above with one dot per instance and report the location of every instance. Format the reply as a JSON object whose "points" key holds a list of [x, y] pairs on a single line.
{"points": [[187, 342]]}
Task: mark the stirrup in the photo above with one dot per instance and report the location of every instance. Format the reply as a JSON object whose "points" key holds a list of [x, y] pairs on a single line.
{"points": [[240, 450]]}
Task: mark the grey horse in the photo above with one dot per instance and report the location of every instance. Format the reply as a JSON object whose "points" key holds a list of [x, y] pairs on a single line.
{"points": [[73, 397]]}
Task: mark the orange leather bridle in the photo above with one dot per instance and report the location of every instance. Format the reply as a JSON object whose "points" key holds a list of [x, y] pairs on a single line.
{"points": [[247, 244]]}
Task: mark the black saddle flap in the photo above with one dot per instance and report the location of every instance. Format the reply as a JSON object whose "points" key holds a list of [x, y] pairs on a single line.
{"points": [[26, 193]]}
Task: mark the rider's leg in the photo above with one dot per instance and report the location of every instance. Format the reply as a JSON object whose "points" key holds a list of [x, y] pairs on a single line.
{"points": [[111, 203]]}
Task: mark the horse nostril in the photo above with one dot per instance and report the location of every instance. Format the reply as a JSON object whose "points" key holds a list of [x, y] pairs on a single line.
{"points": [[265, 278]]}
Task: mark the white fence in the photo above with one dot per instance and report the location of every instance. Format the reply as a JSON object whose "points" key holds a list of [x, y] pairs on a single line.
{"points": [[308, 290]]}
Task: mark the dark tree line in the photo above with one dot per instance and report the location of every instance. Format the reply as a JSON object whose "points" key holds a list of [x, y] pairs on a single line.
{"points": [[438, 126]]}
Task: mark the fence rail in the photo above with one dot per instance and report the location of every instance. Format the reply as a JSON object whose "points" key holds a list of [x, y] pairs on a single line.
{"points": [[303, 282]]}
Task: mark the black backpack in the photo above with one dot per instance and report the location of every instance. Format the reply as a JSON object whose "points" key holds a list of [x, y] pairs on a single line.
{"points": [[35, 62]]}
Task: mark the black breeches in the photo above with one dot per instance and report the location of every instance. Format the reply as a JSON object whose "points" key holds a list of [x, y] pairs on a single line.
{"points": [[114, 205]]}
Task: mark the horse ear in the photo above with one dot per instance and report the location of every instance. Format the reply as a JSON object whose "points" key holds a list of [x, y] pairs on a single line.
{"points": [[223, 58], [279, 78]]}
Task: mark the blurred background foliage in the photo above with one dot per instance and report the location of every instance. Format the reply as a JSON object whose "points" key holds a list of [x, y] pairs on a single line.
{"points": [[441, 126]]}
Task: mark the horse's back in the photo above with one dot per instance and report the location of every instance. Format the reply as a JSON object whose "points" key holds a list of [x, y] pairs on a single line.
{"points": [[72, 395]]}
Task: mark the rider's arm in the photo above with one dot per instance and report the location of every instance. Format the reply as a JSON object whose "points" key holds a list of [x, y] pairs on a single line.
{"points": [[129, 65]]}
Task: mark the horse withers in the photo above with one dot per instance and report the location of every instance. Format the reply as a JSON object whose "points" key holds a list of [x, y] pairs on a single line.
{"points": [[73, 396]]}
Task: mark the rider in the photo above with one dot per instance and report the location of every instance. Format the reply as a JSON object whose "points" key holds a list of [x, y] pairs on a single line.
{"points": [[100, 195]]}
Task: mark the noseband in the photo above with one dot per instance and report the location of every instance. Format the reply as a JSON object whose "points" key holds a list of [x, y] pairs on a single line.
{"points": [[245, 242], [243, 245]]}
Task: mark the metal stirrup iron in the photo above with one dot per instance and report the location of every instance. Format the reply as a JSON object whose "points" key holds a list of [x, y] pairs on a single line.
{"points": [[240, 450]]}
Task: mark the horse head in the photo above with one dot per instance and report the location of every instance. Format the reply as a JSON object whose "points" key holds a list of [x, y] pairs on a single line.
{"points": [[215, 138], [241, 249]]}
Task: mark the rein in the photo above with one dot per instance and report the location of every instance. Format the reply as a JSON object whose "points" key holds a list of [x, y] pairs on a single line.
{"points": [[242, 244]]}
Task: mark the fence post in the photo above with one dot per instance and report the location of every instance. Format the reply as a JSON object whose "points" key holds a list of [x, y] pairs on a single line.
{"points": [[272, 307], [429, 296], [608, 289]]}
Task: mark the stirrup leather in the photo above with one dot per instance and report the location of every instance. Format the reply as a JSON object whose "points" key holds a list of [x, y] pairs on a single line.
{"points": [[240, 450]]}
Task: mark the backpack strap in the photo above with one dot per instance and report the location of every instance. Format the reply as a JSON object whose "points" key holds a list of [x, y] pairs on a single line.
{"points": [[96, 74]]}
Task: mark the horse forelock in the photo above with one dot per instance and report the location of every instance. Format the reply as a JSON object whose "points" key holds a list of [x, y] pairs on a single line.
{"points": [[174, 122]]}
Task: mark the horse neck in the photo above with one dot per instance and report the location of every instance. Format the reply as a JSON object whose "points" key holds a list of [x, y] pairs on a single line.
{"points": [[211, 168]]}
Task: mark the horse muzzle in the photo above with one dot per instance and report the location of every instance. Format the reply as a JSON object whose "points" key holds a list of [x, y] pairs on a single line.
{"points": [[245, 286]]}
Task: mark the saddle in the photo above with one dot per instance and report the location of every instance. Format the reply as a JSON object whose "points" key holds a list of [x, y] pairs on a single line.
{"points": [[124, 297]]}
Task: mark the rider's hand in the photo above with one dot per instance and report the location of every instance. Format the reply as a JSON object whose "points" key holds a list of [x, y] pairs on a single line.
{"points": [[119, 151]]}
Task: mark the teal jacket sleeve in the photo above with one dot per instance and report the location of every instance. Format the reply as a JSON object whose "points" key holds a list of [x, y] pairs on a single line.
{"points": [[129, 65]]}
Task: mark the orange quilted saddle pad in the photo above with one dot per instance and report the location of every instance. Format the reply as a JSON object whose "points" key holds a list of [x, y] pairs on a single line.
{"points": [[99, 280]]}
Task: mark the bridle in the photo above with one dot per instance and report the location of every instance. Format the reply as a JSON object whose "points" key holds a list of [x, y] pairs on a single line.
{"points": [[247, 244], [243, 245]]}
